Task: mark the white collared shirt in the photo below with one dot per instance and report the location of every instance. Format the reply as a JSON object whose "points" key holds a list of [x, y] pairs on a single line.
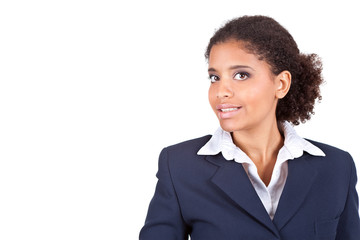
{"points": [[294, 146]]}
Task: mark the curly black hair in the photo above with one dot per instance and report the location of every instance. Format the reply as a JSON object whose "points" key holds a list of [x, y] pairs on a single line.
{"points": [[266, 38]]}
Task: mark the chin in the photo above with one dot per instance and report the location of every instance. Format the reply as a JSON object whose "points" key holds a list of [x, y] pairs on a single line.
{"points": [[229, 126]]}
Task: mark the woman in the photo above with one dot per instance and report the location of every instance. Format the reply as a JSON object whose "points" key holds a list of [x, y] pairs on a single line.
{"points": [[255, 178]]}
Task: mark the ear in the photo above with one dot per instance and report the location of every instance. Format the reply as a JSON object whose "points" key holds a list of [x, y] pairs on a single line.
{"points": [[283, 81]]}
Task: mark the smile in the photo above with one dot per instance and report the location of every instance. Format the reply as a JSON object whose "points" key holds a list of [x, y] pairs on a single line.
{"points": [[228, 109]]}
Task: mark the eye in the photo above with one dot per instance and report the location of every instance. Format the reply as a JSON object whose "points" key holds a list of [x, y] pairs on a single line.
{"points": [[242, 76], [213, 78]]}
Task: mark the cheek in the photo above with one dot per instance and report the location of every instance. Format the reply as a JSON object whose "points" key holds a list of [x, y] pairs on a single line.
{"points": [[212, 95], [260, 96]]}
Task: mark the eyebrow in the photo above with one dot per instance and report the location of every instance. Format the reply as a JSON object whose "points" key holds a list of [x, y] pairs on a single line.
{"points": [[232, 68]]}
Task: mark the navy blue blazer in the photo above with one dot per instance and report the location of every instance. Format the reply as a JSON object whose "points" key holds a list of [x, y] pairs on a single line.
{"points": [[210, 198]]}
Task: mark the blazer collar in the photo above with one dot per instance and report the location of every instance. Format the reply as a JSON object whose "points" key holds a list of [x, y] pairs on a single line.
{"points": [[300, 178], [232, 179]]}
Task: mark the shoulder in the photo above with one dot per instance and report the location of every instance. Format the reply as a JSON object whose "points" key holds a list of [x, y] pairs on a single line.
{"points": [[335, 158], [184, 153], [330, 151], [191, 146]]}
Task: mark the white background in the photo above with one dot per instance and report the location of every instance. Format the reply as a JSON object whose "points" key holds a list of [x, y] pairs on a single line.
{"points": [[91, 91]]}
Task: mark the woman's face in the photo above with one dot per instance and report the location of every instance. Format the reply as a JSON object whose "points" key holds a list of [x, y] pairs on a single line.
{"points": [[243, 88]]}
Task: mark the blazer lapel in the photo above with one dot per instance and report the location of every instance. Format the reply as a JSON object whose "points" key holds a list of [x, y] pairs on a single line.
{"points": [[232, 179], [300, 178]]}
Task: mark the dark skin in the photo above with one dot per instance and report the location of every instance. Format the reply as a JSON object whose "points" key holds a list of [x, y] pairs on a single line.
{"points": [[244, 94], [267, 39]]}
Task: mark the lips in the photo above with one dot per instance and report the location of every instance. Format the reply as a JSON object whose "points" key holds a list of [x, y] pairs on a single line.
{"points": [[227, 110], [227, 107]]}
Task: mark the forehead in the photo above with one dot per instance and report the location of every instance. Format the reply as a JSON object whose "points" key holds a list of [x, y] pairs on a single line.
{"points": [[232, 52]]}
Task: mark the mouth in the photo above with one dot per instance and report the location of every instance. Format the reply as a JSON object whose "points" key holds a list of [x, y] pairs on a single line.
{"points": [[226, 107], [229, 109]]}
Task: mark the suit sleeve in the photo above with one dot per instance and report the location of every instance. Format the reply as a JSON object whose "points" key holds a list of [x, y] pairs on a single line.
{"points": [[164, 219], [349, 223]]}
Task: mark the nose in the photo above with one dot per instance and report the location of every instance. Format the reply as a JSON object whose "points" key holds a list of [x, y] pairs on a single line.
{"points": [[224, 90]]}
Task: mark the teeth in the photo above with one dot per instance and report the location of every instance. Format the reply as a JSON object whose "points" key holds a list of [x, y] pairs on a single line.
{"points": [[228, 109]]}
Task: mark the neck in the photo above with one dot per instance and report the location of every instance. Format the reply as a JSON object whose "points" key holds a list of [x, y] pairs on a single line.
{"points": [[261, 143]]}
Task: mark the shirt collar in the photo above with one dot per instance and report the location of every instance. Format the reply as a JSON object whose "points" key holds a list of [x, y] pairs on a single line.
{"points": [[294, 146]]}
